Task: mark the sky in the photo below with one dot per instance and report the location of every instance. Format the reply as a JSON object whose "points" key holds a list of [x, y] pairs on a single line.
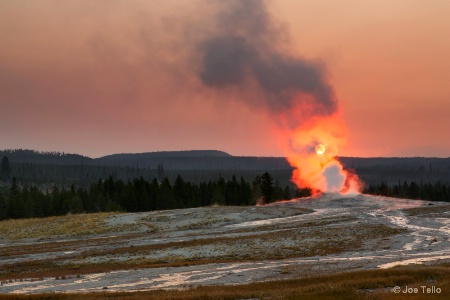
{"points": [[120, 76]]}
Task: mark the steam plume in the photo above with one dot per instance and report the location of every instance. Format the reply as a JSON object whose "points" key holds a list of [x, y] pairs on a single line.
{"points": [[244, 52], [243, 48]]}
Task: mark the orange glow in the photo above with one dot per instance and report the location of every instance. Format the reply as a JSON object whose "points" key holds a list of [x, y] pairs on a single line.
{"points": [[311, 148]]}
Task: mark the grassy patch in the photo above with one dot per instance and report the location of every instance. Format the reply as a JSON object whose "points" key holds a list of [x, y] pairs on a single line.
{"points": [[69, 225], [299, 224], [200, 224], [273, 245], [64, 245], [434, 211], [372, 284], [287, 243]]}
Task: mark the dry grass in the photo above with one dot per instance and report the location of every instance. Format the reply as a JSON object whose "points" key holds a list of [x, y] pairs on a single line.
{"points": [[298, 224], [94, 223], [372, 284], [287, 243], [434, 211], [276, 241], [49, 269], [69, 225], [65, 245]]}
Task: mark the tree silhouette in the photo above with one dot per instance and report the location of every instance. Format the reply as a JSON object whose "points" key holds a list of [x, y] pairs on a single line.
{"points": [[267, 188], [3, 207]]}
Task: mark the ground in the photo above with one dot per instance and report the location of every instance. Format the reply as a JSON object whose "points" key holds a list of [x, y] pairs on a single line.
{"points": [[220, 245]]}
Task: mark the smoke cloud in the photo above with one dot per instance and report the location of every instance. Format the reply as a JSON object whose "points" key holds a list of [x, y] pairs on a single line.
{"points": [[244, 48], [245, 52]]}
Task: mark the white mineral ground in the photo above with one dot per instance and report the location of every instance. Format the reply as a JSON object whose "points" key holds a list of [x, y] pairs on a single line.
{"points": [[268, 243]]}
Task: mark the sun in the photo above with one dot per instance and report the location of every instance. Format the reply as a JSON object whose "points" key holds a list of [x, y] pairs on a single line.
{"points": [[320, 149]]}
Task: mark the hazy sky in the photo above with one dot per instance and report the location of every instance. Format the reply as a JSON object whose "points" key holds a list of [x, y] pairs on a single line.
{"points": [[102, 77]]}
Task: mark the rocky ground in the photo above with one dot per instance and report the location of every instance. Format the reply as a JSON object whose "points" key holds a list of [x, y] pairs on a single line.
{"points": [[220, 245]]}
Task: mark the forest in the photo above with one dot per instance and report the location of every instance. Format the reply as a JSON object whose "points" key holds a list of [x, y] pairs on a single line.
{"points": [[62, 169], [40, 184], [140, 195], [437, 191]]}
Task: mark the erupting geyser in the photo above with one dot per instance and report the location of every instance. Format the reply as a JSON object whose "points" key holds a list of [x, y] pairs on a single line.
{"points": [[316, 166], [242, 53]]}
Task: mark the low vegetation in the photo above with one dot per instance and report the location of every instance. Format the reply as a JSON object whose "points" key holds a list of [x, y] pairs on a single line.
{"points": [[430, 211], [89, 253], [70, 225], [371, 284]]}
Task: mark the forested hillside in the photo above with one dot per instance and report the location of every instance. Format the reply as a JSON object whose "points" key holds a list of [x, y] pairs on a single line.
{"points": [[36, 184], [197, 166], [29, 166], [394, 170], [38, 157]]}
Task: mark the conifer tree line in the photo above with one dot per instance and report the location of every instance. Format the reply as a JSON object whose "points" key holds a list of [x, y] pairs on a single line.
{"points": [[424, 191], [139, 195]]}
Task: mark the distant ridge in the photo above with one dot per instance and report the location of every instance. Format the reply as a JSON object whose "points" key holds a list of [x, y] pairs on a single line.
{"points": [[151, 159], [204, 164], [54, 157], [157, 154], [171, 160], [379, 167], [44, 157]]}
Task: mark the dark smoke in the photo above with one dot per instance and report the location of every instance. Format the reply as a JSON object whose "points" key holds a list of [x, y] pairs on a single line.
{"points": [[244, 47]]}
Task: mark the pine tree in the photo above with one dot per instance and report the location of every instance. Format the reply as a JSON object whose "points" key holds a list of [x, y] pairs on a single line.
{"points": [[166, 197], [16, 205], [267, 188], [256, 190], [76, 205], [128, 198], [218, 194], [3, 207], [179, 189], [287, 193], [245, 192], [154, 192]]}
